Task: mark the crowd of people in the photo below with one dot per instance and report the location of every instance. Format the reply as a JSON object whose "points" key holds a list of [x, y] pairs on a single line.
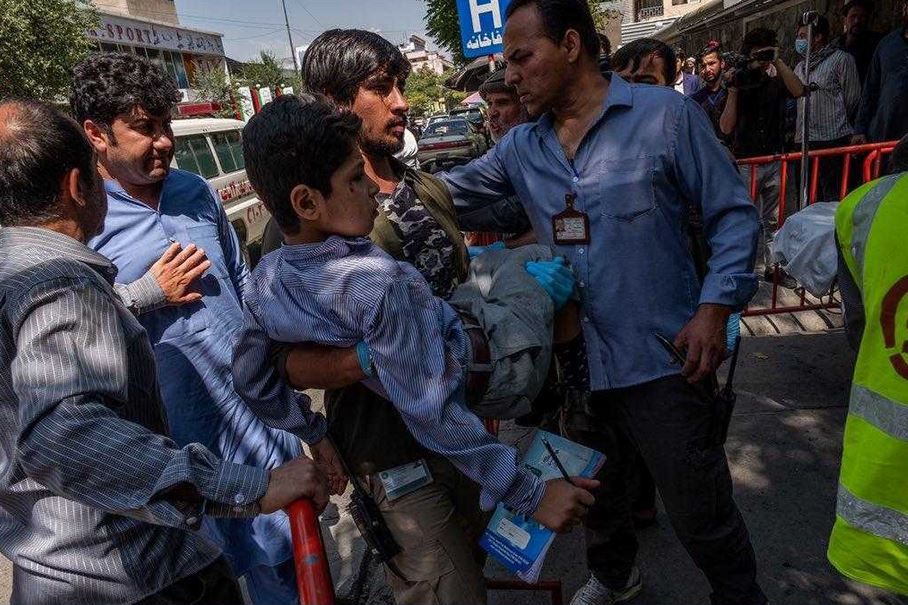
{"points": [[153, 401], [855, 84]]}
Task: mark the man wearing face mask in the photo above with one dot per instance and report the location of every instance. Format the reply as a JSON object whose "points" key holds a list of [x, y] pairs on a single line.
{"points": [[857, 40], [834, 103]]}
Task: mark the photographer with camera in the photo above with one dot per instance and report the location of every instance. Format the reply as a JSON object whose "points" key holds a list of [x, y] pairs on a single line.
{"points": [[759, 84]]}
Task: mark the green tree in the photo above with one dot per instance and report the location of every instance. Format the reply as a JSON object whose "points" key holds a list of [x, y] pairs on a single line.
{"points": [[426, 93], [443, 25], [265, 71], [214, 86], [40, 42]]}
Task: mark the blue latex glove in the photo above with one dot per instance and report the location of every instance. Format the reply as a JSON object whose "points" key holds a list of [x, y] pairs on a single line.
{"points": [[732, 332], [554, 277], [364, 357], [475, 251]]}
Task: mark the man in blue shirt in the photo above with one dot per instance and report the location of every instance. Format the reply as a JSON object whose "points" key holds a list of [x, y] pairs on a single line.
{"points": [[631, 159], [124, 104]]}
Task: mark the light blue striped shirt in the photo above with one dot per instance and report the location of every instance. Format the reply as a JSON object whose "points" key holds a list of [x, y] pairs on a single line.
{"points": [[342, 291]]}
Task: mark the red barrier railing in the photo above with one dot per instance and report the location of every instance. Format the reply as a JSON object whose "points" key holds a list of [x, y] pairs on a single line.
{"points": [[871, 170], [313, 576]]}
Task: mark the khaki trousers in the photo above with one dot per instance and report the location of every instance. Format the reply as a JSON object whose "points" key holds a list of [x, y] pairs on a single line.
{"points": [[438, 527]]}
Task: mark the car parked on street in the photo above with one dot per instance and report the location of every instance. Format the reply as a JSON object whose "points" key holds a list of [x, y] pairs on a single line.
{"points": [[213, 149], [448, 143]]}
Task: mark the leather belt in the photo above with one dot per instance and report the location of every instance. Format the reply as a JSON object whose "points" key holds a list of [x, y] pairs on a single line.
{"points": [[481, 369]]}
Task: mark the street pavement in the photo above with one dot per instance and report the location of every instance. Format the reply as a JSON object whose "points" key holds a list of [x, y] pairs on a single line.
{"points": [[784, 447]]}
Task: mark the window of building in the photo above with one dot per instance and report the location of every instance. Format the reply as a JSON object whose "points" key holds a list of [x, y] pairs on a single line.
{"points": [[193, 154], [229, 148]]}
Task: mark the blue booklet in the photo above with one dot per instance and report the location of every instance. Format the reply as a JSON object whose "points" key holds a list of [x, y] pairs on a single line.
{"points": [[517, 541]]}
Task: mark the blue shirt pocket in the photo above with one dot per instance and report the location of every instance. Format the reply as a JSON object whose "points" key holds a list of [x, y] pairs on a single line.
{"points": [[626, 189]]}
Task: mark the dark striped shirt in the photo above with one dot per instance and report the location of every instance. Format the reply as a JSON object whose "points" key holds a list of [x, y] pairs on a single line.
{"points": [[96, 504], [834, 105]]}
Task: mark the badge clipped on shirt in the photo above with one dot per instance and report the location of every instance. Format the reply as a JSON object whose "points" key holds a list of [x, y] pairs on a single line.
{"points": [[571, 226], [405, 479]]}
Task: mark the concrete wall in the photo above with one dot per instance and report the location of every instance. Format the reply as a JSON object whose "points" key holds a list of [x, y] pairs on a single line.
{"points": [[163, 11], [678, 10]]}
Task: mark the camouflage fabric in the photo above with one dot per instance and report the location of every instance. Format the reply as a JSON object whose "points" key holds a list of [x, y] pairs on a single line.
{"points": [[425, 244]]}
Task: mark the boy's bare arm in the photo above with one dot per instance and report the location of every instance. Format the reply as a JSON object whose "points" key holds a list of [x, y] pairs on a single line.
{"points": [[313, 366]]}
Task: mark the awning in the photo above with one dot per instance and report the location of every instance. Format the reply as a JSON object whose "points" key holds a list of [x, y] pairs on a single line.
{"points": [[695, 17], [469, 78], [473, 99]]}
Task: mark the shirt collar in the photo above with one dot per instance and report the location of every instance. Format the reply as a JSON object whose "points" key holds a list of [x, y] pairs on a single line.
{"points": [[333, 247], [620, 94], [54, 244]]}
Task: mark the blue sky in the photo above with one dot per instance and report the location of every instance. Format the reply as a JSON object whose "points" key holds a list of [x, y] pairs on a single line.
{"points": [[250, 27]]}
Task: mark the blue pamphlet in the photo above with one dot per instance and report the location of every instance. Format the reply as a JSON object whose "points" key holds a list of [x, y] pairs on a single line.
{"points": [[517, 541]]}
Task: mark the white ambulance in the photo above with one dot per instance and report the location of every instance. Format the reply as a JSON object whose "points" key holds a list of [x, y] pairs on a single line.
{"points": [[213, 149]]}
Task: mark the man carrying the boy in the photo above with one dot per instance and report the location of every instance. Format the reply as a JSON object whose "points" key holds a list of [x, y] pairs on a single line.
{"points": [[330, 285]]}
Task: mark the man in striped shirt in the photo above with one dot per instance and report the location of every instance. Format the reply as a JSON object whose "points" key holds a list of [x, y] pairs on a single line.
{"points": [[834, 103], [97, 505]]}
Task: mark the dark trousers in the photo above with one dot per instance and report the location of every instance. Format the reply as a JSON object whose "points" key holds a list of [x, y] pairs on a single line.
{"points": [[212, 585], [670, 425], [829, 185]]}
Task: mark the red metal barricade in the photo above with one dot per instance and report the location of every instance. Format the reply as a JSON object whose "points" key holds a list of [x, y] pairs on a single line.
{"points": [[871, 163], [313, 576]]}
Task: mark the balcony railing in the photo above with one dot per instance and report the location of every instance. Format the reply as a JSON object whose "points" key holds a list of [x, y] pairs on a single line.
{"points": [[651, 12]]}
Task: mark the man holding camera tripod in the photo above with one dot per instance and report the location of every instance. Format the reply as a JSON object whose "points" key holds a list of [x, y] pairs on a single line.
{"points": [[755, 121]]}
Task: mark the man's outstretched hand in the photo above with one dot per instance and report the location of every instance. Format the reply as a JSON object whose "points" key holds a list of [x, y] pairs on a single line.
{"points": [[299, 478], [563, 505], [329, 462], [704, 339], [176, 271]]}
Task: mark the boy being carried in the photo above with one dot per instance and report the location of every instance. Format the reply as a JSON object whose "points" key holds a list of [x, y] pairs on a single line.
{"points": [[332, 286]]}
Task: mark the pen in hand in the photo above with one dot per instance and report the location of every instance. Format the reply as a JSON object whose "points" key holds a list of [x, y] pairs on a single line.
{"points": [[551, 450]]}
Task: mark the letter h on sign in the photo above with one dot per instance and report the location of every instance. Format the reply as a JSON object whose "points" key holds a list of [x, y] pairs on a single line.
{"points": [[476, 10], [481, 25]]}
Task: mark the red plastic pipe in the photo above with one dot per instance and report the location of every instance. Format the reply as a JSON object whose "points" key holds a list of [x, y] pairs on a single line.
{"points": [[313, 576]]}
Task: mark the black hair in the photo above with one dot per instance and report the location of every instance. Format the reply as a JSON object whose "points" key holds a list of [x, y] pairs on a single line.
{"points": [[631, 55], [340, 60], [712, 47], [296, 140], [821, 28], [867, 4], [558, 16], [38, 147], [759, 37], [106, 85]]}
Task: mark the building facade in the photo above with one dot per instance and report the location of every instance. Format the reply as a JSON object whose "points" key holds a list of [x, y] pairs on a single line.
{"points": [[641, 18], [421, 58], [727, 21], [151, 28]]}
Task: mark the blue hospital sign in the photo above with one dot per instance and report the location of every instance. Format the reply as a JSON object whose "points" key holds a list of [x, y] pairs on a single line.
{"points": [[481, 26]]}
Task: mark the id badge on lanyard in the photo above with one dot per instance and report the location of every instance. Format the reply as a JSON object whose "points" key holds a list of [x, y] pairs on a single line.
{"points": [[571, 227]]}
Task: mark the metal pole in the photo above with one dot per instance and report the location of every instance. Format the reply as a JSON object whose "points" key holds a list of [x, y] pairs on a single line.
{"points": [[809, 19], [296, 66]]}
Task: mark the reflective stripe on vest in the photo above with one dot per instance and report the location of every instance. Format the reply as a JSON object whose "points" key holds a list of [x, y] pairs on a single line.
{"points": [[864, 214], [872, 518]]}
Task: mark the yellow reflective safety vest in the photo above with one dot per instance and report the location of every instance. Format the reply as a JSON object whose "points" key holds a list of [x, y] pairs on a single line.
{"points": [[869, 541]]}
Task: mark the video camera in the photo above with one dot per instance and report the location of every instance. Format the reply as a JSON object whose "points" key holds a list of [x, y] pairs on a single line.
{"points": [[747, 71]]}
